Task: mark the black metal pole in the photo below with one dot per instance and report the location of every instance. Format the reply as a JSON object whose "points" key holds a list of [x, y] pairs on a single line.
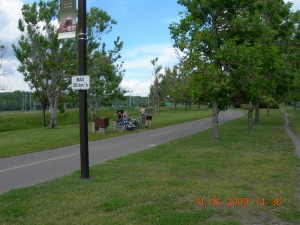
{"points": [[82, 70]]}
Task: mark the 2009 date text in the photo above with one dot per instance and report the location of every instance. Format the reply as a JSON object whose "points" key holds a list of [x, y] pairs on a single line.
{"points": [[259, 201]]}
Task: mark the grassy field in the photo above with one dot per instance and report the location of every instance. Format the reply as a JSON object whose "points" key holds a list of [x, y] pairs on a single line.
{"points": [[243, 179], [28, 137]]}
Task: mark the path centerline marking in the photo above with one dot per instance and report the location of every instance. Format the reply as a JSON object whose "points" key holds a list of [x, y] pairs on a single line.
{"points": [[35, 163], [170, 131]]}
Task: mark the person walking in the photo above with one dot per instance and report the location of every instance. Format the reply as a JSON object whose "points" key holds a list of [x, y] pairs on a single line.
{"points": [[149, 113]]}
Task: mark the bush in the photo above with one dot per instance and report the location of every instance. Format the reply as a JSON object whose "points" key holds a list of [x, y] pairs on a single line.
{"points": [[245, 106]]}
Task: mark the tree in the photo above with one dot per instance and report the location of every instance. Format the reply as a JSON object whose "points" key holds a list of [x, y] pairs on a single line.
{"points": [[256, 60], [104, 68], [291, 46], [170, 85], [156, 88], [42, 55], [106, 76], [200, 34], [3, 49], [232, 48], [47, 63], [175, 86]]}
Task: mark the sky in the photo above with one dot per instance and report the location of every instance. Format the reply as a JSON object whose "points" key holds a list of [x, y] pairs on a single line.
{"points": [[143, 26]]}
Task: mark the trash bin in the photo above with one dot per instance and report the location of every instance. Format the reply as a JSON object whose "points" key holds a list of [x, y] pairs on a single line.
{"points": [[101, 124]]}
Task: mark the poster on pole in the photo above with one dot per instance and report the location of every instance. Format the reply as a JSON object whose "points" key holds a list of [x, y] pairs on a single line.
{"points": [[67, 21]]}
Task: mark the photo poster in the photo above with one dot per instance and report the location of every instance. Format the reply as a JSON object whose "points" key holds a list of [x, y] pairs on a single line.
{"points": [[67, 21]]}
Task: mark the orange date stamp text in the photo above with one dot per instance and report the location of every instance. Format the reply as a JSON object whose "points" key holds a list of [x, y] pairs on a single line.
{"points": [[239, 201]]}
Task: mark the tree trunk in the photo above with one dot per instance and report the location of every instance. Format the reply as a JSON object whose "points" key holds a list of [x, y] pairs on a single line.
{"points": [[250, 113], [158, 106], [53, 116], [199, 103], [53, 111], [43, 115], [215, 121], [175, 106], [256, 120], [268, 110]]}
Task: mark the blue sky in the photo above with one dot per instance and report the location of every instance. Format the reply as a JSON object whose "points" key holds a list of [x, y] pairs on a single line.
{"points": [[141, 24]]}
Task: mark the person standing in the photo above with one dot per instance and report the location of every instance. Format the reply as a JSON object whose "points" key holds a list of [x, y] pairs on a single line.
{"points": [[142, 111], [149, 113], [120, 112]]}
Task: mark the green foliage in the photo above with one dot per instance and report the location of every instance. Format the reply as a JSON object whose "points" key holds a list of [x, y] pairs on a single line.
{"points": [[237, 49], [104, 68], [48, 63], [42, 56], [156, 89], [13, 101], [159, 186]]}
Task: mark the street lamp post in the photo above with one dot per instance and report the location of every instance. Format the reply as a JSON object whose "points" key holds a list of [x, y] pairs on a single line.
{"points": [[82, 70]]}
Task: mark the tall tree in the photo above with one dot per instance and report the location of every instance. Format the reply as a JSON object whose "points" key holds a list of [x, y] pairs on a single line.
{"points": [[106, 75], [170, 85], [104, 66], [42, 55], [200, 34], [47, 63], [3, 49], [256, 60], [232, 47], [291, 46], [156, 91]]}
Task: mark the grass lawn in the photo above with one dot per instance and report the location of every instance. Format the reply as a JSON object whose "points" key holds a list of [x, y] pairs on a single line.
{"points": [[243, 179], [67, 133]]}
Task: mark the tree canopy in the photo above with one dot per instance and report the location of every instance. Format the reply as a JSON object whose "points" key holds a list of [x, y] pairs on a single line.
{"points": [[48, 63], [234, 49]]}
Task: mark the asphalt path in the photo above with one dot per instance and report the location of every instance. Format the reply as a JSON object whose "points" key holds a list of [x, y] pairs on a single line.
{"points": [[30, 169]]}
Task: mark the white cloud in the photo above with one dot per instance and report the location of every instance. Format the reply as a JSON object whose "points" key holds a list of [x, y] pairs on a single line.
{"points": [[10, 13], [137, 63], [12, 79], [135, 87]]}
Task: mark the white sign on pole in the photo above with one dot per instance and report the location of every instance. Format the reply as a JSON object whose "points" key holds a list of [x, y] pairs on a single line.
{"points": [[81, 82]]}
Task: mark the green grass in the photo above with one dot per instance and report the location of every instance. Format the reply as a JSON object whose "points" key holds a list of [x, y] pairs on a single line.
{"points": [[158, 186], [28, 137]]}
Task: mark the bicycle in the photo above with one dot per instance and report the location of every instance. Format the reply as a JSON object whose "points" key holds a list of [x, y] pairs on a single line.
{"points": [[128, 123]]}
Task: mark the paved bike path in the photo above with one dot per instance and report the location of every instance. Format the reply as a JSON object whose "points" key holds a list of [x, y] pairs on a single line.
{"points": [[31, 169]]}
